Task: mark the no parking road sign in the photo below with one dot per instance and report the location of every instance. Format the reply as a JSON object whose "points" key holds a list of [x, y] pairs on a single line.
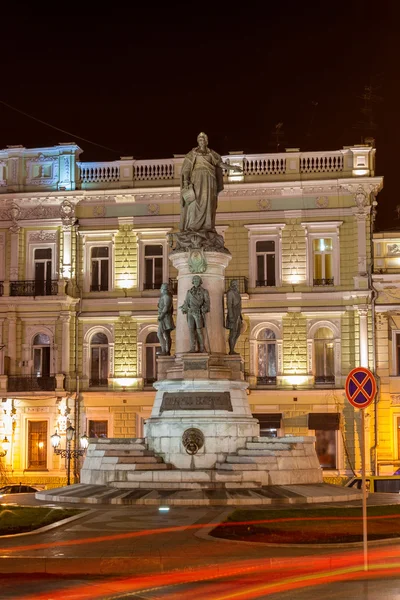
{"points": [[360, 387]]}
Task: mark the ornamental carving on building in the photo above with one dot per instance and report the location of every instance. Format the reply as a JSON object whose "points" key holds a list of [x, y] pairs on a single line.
{"points": [[43, 236], [153, 209], [67, 213], [264, 203], [393, 249], [99, 211], [322, 202], [361, 198], [42, 170]]}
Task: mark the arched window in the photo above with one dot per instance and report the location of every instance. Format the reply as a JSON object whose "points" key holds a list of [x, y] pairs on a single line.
{"points": [[152, 347], [266, 357], [98, 360], [41, 355], [324, 356]]}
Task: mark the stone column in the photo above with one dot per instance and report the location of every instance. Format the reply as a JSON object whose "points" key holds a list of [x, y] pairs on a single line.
{"points": [[363, 315], [65, 348], [214, 282], [12, 341]]}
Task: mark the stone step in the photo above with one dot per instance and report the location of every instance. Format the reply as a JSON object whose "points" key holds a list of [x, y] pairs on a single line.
{"points": [[267, 446], [161, 466], [245, 459], [129, 453], [119, 447], [245, 452], [236, 466], [139, 460], [173, 485]]}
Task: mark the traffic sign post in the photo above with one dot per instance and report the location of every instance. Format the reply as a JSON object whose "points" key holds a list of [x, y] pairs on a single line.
{"points": [[361, 391]]}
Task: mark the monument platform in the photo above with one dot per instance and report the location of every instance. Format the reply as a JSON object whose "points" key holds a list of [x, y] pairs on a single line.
{"points": [[272, 495]]}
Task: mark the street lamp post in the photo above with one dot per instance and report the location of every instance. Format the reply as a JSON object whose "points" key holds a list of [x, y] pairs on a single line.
{"points": [[69, 452], [5, 445]]}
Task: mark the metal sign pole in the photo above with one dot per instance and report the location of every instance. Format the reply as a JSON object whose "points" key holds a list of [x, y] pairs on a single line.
{"points": [[364, 492]]}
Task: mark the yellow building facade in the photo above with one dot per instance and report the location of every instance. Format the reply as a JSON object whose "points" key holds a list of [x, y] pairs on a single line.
{"points": [[83, 252]]}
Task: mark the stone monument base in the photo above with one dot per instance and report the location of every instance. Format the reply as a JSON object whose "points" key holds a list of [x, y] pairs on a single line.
{"points": [[123, 463]]}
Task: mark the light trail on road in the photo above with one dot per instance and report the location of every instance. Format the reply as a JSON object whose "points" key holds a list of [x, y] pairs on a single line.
{"points": [[274, 575]]}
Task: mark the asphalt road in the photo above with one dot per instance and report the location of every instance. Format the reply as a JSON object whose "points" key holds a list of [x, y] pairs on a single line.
{"points": [[138, 552]]}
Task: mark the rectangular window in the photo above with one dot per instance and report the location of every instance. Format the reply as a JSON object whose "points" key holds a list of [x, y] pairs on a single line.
{"points": [[43, 269], [99, 269], [97, 429], [325, 426], [270, 423], [37, 445], [265, 257], [153, 266], [324, 361], [323, 261]]}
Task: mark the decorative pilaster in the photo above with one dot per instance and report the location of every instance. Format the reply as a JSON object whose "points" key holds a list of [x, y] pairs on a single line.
{"points": [[362, 242], [65, 318], [363, 316], [14, 257], [67, 254], [12, 341]]}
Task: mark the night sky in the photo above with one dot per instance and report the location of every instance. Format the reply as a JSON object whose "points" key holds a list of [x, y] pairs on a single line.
{"points": [[143, 81]]}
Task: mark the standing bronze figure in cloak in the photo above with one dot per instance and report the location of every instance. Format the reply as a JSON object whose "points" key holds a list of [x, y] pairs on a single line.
{"points": [[201, 182]]}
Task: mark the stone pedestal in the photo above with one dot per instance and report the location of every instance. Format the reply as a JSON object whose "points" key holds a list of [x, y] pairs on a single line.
{"points": [[202, 391], [214, 282]]}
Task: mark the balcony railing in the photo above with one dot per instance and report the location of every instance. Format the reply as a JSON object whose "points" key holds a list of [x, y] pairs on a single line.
{"points": [[323, 281], [101, 287], [152, 285], [243, 283], [34, 288], [268, 166], [31, 383], [265, 283], [266, 380], [97, 382], [324, 379], [1, 288]]}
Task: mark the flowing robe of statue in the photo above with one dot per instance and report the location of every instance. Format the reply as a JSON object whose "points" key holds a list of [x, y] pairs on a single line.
{"points": [[203, 173]]}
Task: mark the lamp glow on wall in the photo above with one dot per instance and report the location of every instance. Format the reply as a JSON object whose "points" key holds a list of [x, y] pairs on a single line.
{"points": [[126, 282]]}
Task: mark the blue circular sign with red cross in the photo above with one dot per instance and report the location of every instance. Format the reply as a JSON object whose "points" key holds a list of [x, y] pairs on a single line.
{"points": [[360, 387]]}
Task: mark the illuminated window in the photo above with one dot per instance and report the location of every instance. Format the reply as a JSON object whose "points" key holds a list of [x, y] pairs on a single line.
{"points": [[324, 356], [323, 261], [97, 429], [270, 423], [323, 252], [98, 360], [153, 266], [41, 355], [152, 348], [37, 445], [99, 275], [266, 357], [265, 256]]}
